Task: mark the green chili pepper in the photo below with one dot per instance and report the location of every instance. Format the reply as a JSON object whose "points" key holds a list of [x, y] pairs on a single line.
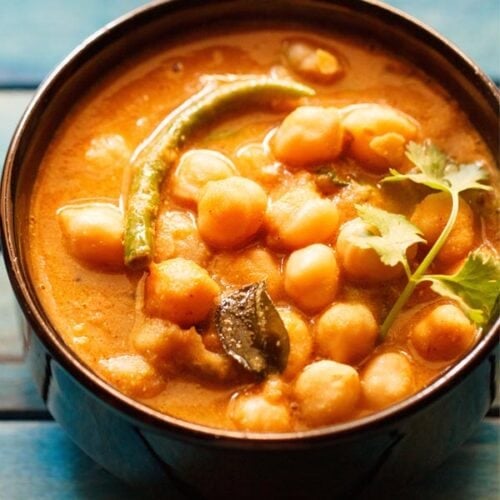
{"points": [[150, 168]]}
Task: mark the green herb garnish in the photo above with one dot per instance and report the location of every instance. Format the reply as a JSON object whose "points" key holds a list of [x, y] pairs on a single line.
{"points": [[435, 170], [475, 286], [390, 235]]}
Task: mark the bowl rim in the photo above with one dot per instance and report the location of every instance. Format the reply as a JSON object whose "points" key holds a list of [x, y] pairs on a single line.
{"points": [[138, 412]]}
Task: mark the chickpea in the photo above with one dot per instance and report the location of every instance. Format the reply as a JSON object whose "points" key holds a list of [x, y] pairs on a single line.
{"points": [[300, 218], [274, 389], [177, 235], [431, 215], [309, 135], [362, 264], [249, 266], [150, 338], [327, 392], [181, 291], [378, 135], [255, 412], [167, 345], [386, 379], [108, 150], [443, 334], [311, 61], [255, 163], [346, 333], [94, 233], [196, 168], [231, 212], [132, 375], [301, 344], [312, 277], [355, 194]]}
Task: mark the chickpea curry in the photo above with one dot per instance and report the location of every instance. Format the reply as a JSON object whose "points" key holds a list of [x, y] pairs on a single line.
{"points": [[267, 231]]}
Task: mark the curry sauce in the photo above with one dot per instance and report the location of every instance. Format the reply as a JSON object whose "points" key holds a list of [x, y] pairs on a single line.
{"points": [[266, 206]]}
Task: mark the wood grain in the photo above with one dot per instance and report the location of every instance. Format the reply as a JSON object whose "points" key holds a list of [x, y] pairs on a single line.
{"points": [[12, 105], [37, 35], [474, 27], [39, 461]]}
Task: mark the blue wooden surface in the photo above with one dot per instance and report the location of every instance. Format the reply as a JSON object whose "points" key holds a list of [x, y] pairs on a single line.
{"points": [[37, 34], [37, 460], [472, 25], [40, 462]]}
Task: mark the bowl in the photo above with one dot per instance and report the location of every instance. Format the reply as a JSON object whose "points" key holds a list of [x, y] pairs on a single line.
{"points": [[162, 454]]}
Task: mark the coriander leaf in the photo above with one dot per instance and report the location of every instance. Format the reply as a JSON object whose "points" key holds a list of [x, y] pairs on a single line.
{"points": [[430, 164], [466, 176], [390, 235], [429, 159], [475, 286], [435, 170]]}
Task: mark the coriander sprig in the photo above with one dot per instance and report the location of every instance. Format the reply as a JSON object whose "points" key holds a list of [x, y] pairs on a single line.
{"points": [[434, 169], [392, 237], [475, 285]]}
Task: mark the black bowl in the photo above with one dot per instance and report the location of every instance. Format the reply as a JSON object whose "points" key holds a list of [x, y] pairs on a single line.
{"points": [[179, 459]]}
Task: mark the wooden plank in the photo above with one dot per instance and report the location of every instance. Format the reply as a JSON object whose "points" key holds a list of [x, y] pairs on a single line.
{"points": [[11, 345], [39, 461], [12, 105], [18, 394], [40, 37], [471, 25]]}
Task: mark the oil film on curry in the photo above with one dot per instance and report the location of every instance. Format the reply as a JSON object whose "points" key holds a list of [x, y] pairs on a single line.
{"points": [[268, 231]]}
